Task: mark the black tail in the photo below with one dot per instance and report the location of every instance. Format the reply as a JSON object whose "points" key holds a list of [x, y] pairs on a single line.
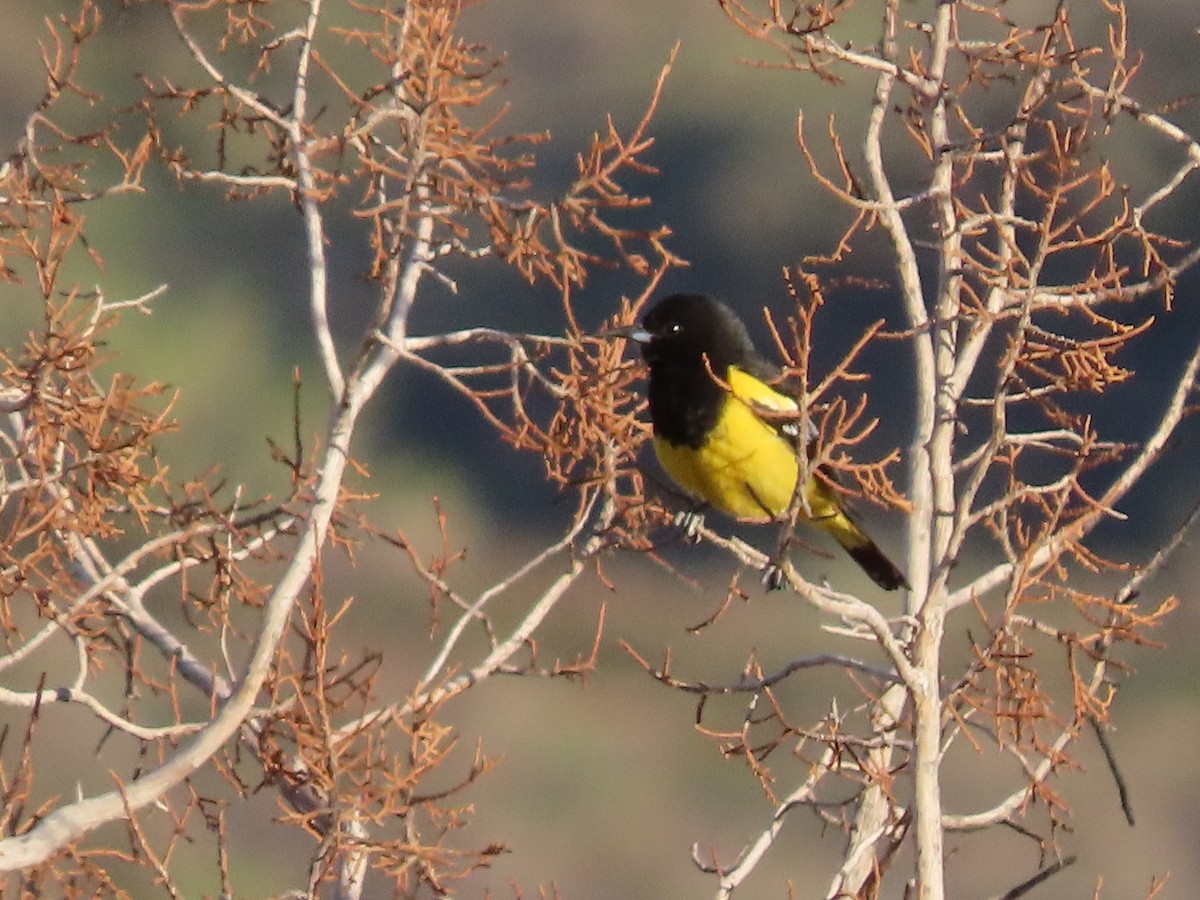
{"points": [[881, 569]]}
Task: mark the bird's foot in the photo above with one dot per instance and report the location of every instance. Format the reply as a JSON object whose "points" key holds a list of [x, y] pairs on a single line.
{"points": [[774, 573], [690, 522], [773, 576]]}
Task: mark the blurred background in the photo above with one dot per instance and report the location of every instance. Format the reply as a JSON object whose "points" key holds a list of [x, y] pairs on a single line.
{"points": [[603, 787]]}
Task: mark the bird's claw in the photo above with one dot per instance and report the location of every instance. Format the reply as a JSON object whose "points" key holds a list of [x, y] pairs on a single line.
{"points": [[773, 576], [690, 523]]}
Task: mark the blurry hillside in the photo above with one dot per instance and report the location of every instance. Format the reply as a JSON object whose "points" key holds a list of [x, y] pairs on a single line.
{"points": [[736, 193]]}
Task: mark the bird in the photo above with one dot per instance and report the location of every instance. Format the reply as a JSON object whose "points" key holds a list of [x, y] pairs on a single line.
{"points": [[722, 432]]}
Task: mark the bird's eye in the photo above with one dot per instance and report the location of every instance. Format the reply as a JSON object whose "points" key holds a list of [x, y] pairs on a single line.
{"points": [[674, 328]]}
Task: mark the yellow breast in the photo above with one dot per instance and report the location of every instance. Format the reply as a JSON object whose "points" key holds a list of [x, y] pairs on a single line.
{"points": [[744, 468]]}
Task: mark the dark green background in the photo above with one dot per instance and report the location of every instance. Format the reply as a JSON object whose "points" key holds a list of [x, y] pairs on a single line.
{"points": [[602, 790]]}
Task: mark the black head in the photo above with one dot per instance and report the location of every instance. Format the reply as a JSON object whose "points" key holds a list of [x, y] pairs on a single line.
{"points": [[682, 329]]}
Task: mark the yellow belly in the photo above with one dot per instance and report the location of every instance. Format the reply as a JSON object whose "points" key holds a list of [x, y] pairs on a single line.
{"points": [[744, 469]]}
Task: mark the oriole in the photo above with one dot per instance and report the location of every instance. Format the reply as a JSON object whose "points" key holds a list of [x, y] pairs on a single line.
{"points": [[710, 404]]}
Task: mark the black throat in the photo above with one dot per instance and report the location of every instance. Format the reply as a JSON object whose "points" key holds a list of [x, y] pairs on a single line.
{"points": [[685, 401]]}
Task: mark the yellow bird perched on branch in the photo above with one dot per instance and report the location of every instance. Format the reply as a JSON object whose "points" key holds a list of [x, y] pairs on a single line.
{"points": [[711, 404]]}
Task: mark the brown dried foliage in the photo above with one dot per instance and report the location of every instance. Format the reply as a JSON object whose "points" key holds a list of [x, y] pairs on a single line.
{"points": [[93, 527], [1041, 255], [1048, 273]]}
